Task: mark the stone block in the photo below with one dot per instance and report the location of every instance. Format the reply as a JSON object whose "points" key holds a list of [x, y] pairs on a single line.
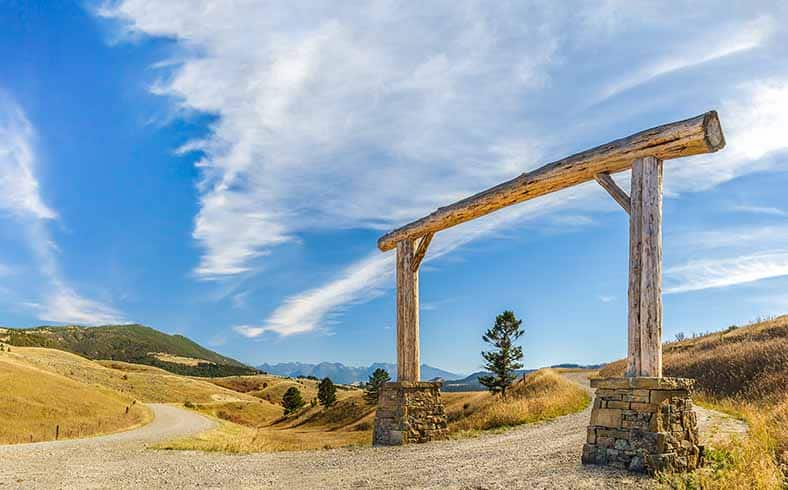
{"points": [[606, 417]]}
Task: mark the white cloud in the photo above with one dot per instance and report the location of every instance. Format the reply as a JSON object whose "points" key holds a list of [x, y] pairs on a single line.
{"points": [[755, 121], [365, 279], [607, 299], [348, 116], [19, 190], [343, 116], [715, 273], [20, 198], [746, 208], [715, 44]]}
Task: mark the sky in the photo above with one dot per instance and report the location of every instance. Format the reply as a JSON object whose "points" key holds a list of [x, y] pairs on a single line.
{"points": [[223, 170]]}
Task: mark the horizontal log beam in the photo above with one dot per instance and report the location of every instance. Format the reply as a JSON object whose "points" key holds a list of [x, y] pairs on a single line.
{"points": [[700, 134], [606, 181], [421, 251]]}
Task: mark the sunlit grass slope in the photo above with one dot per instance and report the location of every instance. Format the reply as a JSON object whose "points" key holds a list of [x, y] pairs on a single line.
{"points": [[143, 383], [744, 371], [541, 395], [34, 401]]}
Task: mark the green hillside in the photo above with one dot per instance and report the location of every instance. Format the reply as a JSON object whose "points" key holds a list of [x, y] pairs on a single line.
{"points": [[129, 343]]}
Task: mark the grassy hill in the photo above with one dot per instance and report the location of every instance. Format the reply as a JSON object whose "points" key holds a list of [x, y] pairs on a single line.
{"points": [[142, 383], [35, 401], [742, 370], [129, 343]]}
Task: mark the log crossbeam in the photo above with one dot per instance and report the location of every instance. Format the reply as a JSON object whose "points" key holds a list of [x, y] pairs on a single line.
{"points": [[700, 134], [617, 193]]}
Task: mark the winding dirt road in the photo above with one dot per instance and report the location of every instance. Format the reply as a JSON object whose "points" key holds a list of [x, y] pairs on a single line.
{"points": [[538, 456]]}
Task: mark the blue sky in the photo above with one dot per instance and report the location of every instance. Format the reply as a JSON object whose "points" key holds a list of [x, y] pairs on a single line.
{"points": [[223, 170]]}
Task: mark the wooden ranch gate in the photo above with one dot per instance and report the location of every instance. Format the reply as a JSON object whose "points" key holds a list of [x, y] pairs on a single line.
{"points": [[643, 153]]}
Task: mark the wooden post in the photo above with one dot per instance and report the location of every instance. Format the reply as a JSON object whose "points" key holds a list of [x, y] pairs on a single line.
{"points": [[407, 313], [633, 314], [644, 323], [651, 270]]}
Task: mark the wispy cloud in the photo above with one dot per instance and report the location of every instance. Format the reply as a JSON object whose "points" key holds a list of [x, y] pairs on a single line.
{"points": [[20, 199], [717, 273], [607, 299], [745, 208], [711, 46], [363, 280], [341, 118]]}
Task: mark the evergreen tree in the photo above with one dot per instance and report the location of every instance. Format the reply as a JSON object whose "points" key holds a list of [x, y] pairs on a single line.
{"points": [[505, 359], [292, 401], [372, 389], [327, 392]]}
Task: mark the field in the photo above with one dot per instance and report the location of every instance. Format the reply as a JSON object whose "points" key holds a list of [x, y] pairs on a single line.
{"points": [[142, 383], [542, 395], [36, 401], [742, 371]]}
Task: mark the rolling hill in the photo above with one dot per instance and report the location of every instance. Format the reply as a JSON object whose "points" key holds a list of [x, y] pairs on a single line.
{"points": [[129, 343]]}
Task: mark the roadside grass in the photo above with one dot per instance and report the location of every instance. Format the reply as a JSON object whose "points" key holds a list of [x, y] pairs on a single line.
{"points": [[741, 371], [541, 396], [146, 384], [230, 437], [36, 401], [247, 428]]}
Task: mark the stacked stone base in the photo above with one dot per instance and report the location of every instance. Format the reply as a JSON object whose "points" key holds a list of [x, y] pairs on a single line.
{"points": [[409, 413], [644, 425]]}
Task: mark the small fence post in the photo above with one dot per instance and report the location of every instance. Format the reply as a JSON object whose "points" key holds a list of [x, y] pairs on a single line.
{"points": [[57, 432]]}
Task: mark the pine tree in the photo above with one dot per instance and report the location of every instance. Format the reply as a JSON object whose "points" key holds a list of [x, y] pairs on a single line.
{"points": [[292, 401], [376, 380], [505, 359], [327, 392]]}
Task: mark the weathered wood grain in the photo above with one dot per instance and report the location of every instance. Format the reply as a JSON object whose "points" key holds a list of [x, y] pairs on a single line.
{"points": [[635, 253], [424, 243], [408, 365], [617, 193], [651, 270], [701, 134]]}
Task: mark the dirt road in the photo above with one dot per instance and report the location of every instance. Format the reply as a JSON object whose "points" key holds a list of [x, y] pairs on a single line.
{"points": [[536, 456]]}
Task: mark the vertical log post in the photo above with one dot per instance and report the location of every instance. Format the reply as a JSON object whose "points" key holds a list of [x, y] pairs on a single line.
{"points": [[633, 316], [644, 353], [407, 313], [651, 270]]}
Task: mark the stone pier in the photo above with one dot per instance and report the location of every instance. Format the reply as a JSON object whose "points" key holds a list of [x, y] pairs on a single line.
{"points": [[409, 412], [643, 424]]}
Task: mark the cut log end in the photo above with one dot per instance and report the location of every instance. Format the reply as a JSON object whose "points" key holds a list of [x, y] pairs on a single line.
{"points": [[715, 139]]}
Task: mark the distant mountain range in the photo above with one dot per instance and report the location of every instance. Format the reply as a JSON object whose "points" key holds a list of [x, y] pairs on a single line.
{"points": [[339, 373]]}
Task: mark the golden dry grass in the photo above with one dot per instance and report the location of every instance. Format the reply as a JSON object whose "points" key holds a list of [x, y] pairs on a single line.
{"points": [[146, 384], [35, 401], [542, 395], [743, 371], [234, 438]]}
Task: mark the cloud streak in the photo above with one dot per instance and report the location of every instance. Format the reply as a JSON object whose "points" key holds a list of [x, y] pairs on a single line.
{"points": [[21, 201], [717, 273]]}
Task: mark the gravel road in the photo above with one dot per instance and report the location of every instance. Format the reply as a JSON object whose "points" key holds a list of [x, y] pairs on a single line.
{"points": [[538, 456]]}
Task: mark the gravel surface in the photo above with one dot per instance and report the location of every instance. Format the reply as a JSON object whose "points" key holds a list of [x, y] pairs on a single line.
{"points": [[537, 456]]}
